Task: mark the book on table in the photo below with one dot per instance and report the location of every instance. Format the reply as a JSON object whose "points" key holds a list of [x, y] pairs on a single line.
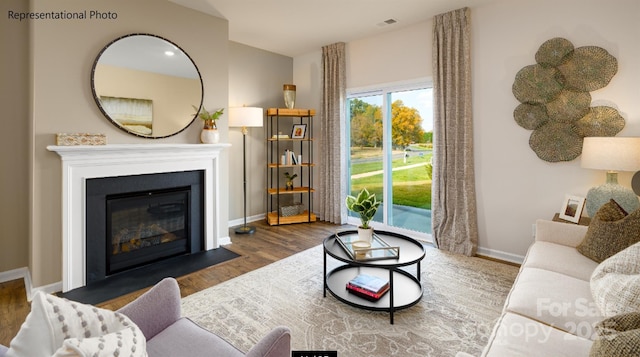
{"points": [[368, 286], [366, 294]]}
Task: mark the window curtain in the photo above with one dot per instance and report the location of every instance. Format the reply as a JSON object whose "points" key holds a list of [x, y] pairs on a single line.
{"points": [[455, 223], [333, 131]]}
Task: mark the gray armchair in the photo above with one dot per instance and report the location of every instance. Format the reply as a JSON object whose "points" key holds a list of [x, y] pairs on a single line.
{"points": [[157, 314]]}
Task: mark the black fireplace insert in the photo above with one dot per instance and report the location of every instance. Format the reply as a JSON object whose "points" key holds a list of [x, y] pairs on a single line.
{"points": [[142, 219]]}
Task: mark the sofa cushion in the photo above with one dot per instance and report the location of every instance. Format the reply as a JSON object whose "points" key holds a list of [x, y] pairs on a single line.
{"points": [[618, 336], [555, 299], [185, 335], [560, 233], [615, 283], [53, 320], [546, 255], [610, 231], [516, 335]]}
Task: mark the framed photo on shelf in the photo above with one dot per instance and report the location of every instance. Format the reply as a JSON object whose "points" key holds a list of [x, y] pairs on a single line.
{"points": [[572, 208], [298, 131]]}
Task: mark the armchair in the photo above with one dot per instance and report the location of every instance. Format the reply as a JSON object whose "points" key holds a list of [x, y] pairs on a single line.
{"points": [[157, 314]]}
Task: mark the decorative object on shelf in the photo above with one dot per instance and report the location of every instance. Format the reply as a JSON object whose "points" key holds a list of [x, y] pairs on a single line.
{"points": [[365, 206], [289, 158], [288, 211], [555, 99], [289, 91], [209, 134], [572, 208], [298, 131], [289, 183], [612, 154], [64, 139], [245, 117]]}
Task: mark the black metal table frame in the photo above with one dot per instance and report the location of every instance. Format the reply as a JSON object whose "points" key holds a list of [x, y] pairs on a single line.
{"points": [[378, 264]]}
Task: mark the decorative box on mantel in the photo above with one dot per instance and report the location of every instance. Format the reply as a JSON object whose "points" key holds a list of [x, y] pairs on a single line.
{"points": [[83, 162]]}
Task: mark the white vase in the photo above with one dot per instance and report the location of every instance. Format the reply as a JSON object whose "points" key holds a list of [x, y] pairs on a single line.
{"points": [[365, 235], [209, 136]]}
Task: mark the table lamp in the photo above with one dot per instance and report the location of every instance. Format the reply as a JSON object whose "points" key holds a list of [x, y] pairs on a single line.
{"points": [[245, 117], [612, 154]]}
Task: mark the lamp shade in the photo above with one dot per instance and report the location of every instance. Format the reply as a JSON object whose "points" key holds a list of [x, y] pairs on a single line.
{"points": [[611, 153], [245, 117]]}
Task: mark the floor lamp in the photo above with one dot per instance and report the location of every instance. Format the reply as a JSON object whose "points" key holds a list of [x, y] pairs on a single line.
{"points": [[245, 117]]}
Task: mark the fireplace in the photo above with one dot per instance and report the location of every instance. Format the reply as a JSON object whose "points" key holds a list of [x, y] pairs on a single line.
{"points": [[141, 219], [81, 164], [144, 227]]}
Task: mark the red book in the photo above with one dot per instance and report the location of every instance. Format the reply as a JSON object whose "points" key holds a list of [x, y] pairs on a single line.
{"points": [[366, 294], [370, 283]]}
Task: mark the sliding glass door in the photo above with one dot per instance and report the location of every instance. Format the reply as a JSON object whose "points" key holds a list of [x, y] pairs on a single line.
{"points": [[390, 146]]}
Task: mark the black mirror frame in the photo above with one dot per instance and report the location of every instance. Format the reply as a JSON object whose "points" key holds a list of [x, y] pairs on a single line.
{"points": [[97, 100]]}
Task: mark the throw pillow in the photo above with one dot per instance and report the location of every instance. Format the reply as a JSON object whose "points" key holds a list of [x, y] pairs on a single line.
{"points": [[615, 283], [121, 343], [618, 336], [610, 231], [53, 320]]}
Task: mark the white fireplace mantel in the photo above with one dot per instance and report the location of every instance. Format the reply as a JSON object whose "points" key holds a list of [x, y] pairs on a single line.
{"points": [[80, 163]]}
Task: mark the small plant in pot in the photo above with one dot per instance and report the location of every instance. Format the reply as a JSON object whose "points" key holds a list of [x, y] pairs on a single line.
{"points": [[289, 183], [209, 133], [365, 205], [209, 118]]}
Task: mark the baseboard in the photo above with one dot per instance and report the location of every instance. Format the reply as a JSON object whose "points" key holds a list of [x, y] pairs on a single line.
{"points": [[240, 221], [20, 273], [224, 240], [23, 273], [500, 255], [48, 289]]}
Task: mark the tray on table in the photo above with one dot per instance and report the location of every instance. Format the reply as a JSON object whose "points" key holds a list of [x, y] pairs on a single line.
{"points": [[379, 249]]}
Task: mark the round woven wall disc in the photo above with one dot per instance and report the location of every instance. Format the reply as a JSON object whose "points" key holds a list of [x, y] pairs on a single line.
{"points": [[600, 121], [590, 68], [554, 52], [554, 142], [569, 106], [536, 84], [530, 116]]}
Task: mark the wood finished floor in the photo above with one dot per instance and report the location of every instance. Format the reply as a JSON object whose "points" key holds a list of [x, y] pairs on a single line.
{"points": [[267, 245]]}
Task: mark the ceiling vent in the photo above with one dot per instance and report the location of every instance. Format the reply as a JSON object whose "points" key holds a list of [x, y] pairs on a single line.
{"points": [[387, 22]]}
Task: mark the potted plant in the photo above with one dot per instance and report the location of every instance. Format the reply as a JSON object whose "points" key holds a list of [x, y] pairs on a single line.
{"points": [[209, 134], [289, 183], [365, 204]]}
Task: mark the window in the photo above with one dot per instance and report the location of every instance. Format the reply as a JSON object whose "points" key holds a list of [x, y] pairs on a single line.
{"points": [[390, 148]]}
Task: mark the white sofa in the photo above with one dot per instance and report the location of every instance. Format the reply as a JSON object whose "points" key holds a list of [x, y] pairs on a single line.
{"points": [[550, 310]]}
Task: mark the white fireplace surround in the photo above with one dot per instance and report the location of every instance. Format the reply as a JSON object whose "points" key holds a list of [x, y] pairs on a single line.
{"points": [[80, 163]]}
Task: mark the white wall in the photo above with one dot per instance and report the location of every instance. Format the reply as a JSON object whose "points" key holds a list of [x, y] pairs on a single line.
{"points": [[514, 187]]}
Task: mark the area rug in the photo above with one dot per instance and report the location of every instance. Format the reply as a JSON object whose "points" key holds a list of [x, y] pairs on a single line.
{"points": [[462, 300]]}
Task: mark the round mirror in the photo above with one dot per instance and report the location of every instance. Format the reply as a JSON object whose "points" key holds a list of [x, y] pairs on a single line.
{"points": [[146, 85]]}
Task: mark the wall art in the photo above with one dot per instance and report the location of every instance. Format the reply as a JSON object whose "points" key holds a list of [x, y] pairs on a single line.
{"points": [[555, 99]]}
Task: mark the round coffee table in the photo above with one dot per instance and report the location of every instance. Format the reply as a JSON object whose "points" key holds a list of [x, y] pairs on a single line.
{"points": [[405, 289]]}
